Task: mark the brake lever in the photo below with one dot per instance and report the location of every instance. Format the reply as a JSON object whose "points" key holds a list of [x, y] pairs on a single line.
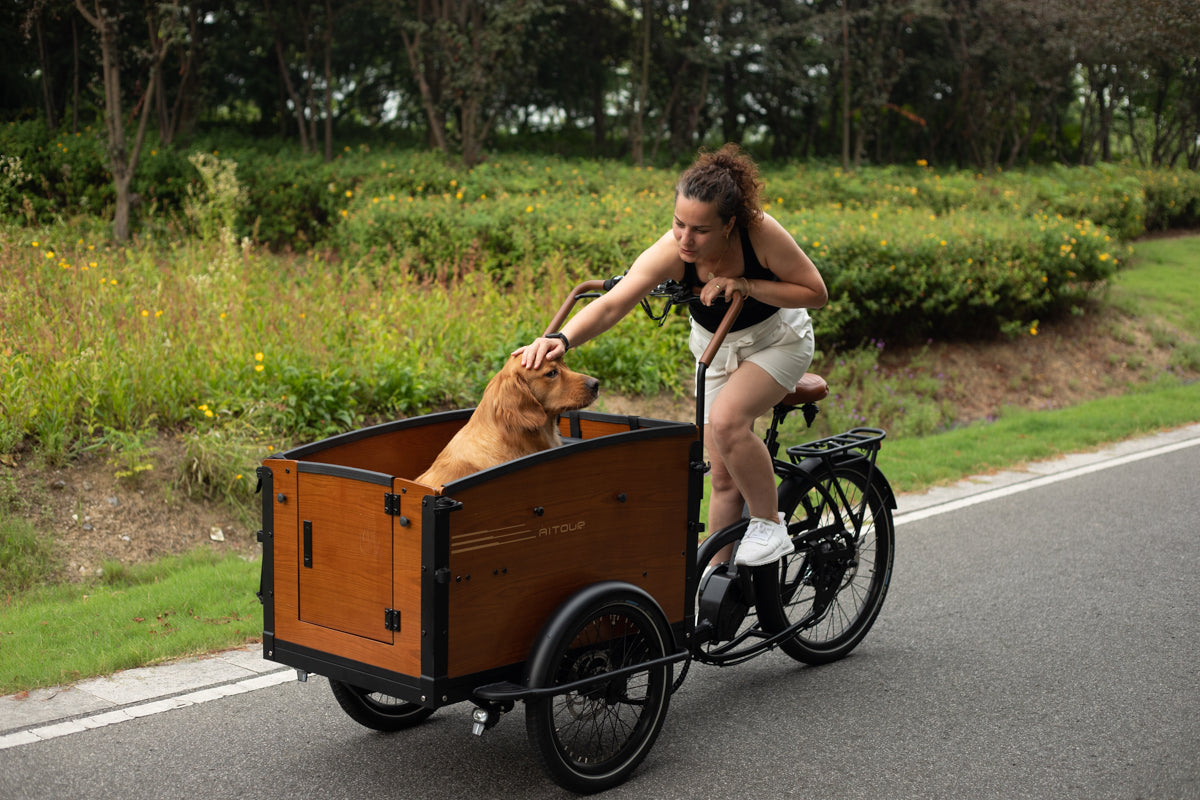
{"points": [[675, 294]]}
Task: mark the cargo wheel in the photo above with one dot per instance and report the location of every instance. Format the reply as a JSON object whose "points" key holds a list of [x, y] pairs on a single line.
{"points": [[591, 738], [376, 710]]}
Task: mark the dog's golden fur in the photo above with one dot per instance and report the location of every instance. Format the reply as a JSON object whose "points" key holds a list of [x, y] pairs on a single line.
{"points": [[517, 416]]}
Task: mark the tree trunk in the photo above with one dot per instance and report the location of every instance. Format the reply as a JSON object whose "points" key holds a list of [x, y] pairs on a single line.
{"points": [[47, 90], [845, 88], [437, 122], [75, 77], [328, 82], [297, 104], [636, 134], [122, 161]]}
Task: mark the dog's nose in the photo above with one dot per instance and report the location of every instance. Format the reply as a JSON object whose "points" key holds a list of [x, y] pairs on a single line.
{"points": [[593, 386]]}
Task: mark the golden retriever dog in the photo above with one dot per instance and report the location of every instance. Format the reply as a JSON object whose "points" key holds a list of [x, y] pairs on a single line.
{"points": [[517, 416]]}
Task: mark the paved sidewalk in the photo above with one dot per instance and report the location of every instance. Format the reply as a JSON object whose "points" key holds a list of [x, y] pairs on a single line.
{"points": [[43, 714], [49, 713]]}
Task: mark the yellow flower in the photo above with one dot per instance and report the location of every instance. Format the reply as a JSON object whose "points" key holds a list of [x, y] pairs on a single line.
{"points": [[349, 193], [528, 209], [1033, 329], [35, 244], [258, 356], [145, 313]]}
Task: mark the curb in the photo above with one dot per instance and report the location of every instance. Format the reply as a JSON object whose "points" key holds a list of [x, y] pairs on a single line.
{"points": [[44, 714]]}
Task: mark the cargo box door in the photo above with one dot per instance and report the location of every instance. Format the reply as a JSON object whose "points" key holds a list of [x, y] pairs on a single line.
{"points": [[345, 564]]}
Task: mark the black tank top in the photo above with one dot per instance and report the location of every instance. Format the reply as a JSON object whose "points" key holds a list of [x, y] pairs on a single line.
{"points": [[753, 312]]}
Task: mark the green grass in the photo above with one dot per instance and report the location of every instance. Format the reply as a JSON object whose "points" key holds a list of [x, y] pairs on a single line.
{"points": [[1163, 284], [136, 616], [1019, 437]]}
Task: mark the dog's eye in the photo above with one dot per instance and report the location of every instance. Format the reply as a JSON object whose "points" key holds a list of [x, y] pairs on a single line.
{"points": [[552, 373]]}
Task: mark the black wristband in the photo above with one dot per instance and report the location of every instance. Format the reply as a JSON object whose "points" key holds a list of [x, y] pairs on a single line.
{"points": [[562, 337]]}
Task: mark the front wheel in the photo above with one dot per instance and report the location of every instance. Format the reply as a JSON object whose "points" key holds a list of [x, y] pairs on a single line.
{"points": [[376, 710], [841, 523], [591, 738]]}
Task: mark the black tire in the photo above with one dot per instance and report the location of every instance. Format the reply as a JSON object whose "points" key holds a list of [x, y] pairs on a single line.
{"points": [[837, 578], [376, 710], [592, 739]]}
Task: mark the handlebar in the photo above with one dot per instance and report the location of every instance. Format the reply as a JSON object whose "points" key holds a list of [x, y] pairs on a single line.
{"points": [[596, 287], [675, 295]]}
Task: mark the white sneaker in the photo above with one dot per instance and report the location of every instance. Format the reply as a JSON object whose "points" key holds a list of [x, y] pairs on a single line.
{"points": [[765, 541]]}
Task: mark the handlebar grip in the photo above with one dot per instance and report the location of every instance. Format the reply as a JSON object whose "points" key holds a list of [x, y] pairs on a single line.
{"points": [[718, 338], [561, 315], [611, 282]]}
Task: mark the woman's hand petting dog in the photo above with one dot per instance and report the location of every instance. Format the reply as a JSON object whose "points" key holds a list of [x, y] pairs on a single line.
{"points": [[517, 416]]}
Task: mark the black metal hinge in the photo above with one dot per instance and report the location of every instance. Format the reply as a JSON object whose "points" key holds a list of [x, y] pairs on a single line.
{"points": [[391, 504], [391, 619]]}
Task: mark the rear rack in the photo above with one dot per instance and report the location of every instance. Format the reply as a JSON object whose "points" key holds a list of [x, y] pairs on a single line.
{"points": [[866, 439]]}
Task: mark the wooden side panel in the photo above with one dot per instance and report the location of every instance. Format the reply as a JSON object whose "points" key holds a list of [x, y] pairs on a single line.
{"points": [[286, 554], [592, 429], [406, 452], [406, 574], [346, 555], [523, 542], [325, 507]]}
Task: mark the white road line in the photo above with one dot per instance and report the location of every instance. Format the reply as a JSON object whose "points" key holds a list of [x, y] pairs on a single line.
{"points": [[1034, 483]]}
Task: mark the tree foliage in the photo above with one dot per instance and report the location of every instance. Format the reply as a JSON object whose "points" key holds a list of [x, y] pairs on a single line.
{"points": [[972, 83]]}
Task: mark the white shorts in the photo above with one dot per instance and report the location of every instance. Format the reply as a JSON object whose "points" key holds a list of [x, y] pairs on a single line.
{"points": [[781, 344]]}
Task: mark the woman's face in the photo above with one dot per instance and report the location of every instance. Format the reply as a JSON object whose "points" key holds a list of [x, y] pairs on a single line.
{"points": [[698, 229]]}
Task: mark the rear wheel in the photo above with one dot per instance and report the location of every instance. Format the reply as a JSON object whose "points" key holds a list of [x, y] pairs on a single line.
{"points": [[376, 710], [591, 738], [838, 577]]}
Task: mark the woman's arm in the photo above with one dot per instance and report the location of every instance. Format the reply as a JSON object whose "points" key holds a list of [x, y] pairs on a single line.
{"points": [[800, 284], [657, 263]]}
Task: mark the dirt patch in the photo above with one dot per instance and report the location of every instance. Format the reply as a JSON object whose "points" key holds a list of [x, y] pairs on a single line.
{"points": [[97, 517], [1099, 354]]}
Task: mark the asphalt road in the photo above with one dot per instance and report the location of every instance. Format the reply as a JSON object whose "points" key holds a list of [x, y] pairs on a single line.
{"points": [[1042, 644]]}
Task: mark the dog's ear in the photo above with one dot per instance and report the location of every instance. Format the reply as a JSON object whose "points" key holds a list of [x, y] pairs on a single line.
{"points": [[513, 402]]}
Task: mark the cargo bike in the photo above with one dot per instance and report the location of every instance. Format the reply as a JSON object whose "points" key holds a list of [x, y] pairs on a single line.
{"points": [[577, 580]]}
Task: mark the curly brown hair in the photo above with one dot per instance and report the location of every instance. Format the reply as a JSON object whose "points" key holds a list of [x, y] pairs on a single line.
{"points": [[727, 177]]}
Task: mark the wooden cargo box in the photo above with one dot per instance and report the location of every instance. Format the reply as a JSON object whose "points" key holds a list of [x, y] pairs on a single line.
{"points": [[428, 592]]}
